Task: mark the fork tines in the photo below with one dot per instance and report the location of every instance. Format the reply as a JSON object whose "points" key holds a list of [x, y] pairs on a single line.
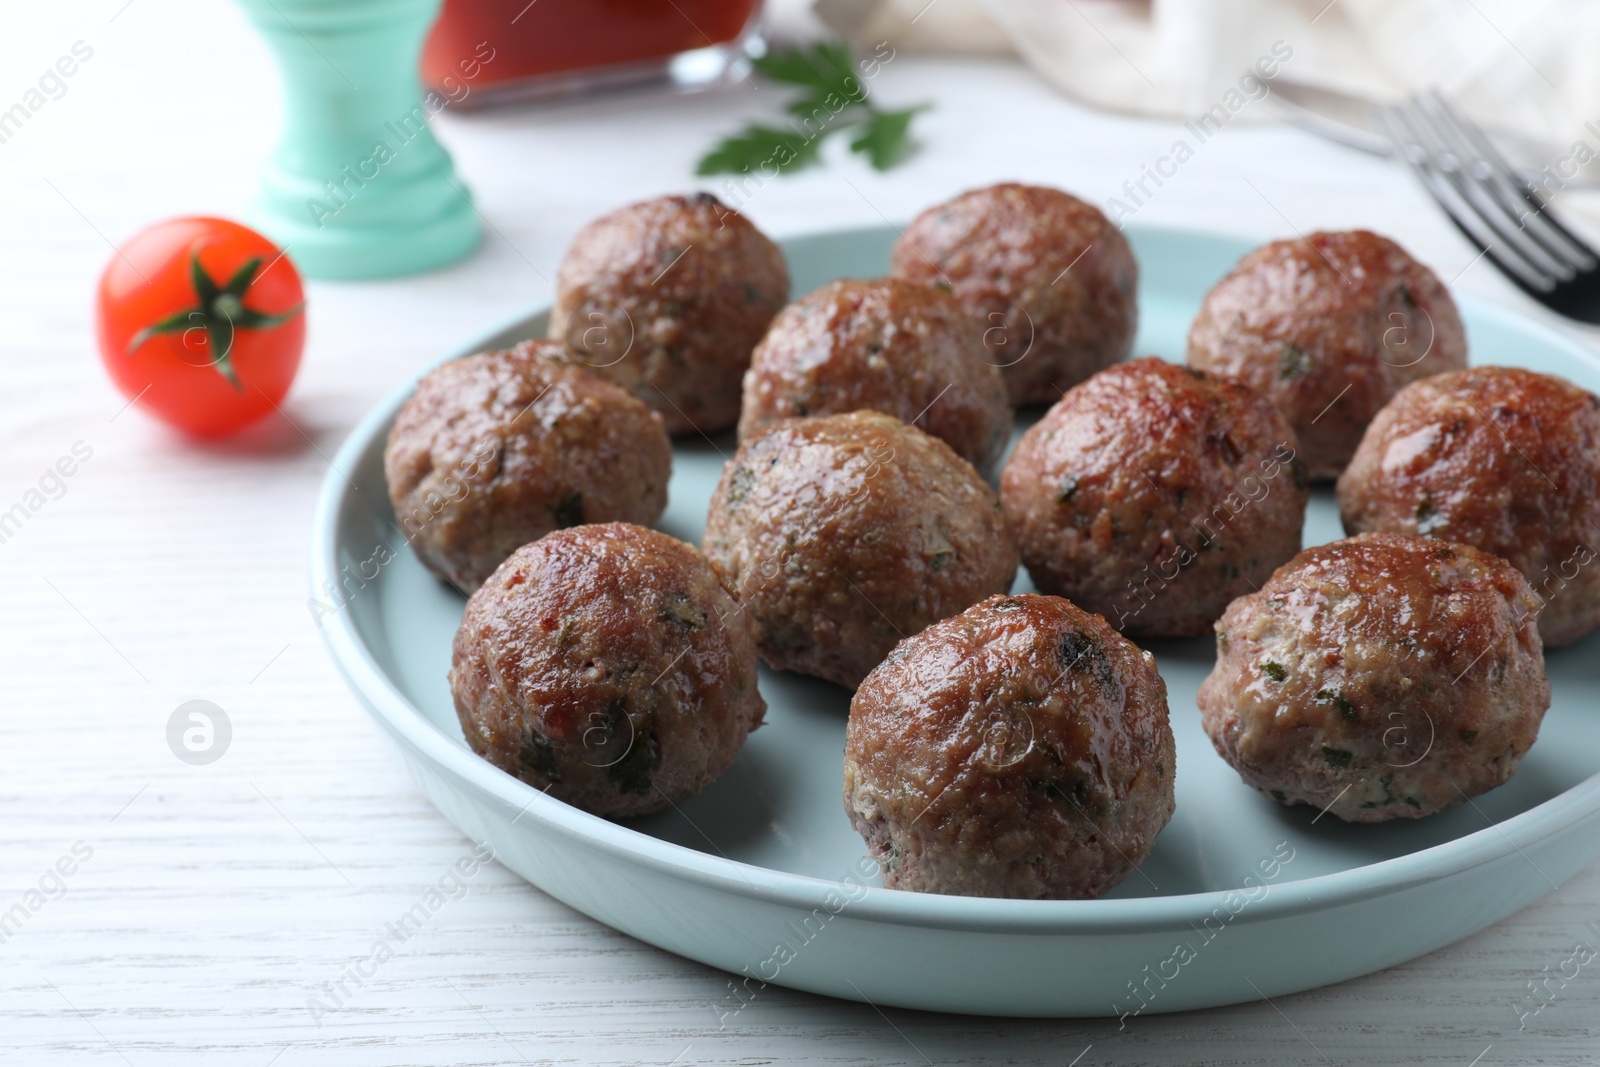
{"points": [[1490, 203]]}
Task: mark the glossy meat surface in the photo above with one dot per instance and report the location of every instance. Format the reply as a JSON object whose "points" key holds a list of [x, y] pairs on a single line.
{"points": [[885, 345], [1052, 283], [1500, 458], [1019, 749], [1329, 327], [498, 449], [1154, 494], [844, 534], [609, 664], [667, 298], [1379, 677]]}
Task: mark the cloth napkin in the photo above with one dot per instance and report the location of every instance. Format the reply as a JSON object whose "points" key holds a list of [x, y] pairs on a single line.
{"points": [[1523, 65]]}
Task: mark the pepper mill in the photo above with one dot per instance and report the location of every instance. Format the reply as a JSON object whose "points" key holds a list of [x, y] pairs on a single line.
{"points": [[358, 187]]}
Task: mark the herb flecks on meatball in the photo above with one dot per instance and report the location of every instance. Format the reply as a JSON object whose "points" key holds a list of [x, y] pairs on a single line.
{"points": [[843, 534], [1500, 458], [1380, 677], [906, 350], [498, 449], [609, 665], [1154, 494], [1329, 327], [667, 298], [1050, 281], [1019, 749]]}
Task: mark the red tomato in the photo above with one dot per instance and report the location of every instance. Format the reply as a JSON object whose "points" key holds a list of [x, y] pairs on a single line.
{"points": [[201, 322]]}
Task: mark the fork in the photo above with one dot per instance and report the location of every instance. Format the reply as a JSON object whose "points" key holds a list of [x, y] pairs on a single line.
{"points": [[1498, 211]]}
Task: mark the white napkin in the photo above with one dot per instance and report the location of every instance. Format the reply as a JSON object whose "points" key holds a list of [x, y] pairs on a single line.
{"points": [[1524, 65]]}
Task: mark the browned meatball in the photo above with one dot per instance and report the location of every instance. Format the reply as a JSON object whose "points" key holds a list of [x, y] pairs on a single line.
{"points": [[1154, 494], [906, 350], [845, 533], [1499, 458], [667, 297], [498, 449], [1385, 676], [1329, 327], [609, 665], [1050, 280], [1020, 749]]}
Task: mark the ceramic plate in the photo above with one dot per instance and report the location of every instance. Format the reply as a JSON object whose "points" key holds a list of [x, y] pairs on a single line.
{"points": [[761, 874]]}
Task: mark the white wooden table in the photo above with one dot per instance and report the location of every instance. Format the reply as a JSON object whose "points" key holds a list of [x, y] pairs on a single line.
{"points": [[215, 901]]}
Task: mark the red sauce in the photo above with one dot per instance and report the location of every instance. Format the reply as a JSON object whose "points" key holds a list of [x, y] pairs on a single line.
{"points": [[550, 37]]}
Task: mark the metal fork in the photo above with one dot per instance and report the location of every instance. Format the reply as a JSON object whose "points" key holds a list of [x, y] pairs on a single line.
{"points": [[1500, 213]]}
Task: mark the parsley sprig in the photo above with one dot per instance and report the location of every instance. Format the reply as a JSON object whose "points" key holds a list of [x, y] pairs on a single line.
{"points": [[835, 99]]}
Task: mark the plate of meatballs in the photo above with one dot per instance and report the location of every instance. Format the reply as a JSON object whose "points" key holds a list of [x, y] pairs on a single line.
{"points": [[1004, 613]]}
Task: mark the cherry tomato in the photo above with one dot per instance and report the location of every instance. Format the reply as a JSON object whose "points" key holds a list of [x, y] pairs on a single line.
{"points": [[201, 322]]}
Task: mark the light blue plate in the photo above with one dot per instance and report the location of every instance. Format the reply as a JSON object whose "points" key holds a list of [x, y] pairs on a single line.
{"points": [[761, 874]]}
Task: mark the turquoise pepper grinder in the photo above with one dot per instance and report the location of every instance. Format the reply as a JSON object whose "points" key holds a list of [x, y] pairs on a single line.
{"points": [[357, 186]]}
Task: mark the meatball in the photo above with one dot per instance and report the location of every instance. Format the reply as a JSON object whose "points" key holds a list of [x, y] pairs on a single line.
{"points": [[1329, 327], [498, 449], [1050, 280], [1499, 458], [1154, 494], [609, 666], [667, 298], [906, 350], [1020, 749], [1385, 676], [844, 534]]}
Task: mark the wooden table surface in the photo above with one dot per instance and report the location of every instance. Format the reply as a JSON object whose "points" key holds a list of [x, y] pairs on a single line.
{"points": [[207, 905]]}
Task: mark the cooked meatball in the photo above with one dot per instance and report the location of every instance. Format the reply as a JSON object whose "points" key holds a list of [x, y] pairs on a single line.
{"points": [[1019, 749], [843, 534], [608, 665], [1329, 327], [1154, 494], [1385, 676], [906, 350], [1499, 458], [498, 449], [1048, 277], [667, 298]]}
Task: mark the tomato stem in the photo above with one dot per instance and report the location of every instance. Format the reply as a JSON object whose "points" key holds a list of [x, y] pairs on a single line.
{"points": [[221, 312]]}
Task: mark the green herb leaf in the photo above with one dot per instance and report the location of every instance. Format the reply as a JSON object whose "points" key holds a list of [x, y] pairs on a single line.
{"points": [[815, 109], [1428, 518], [835, 99], [635, 771], [1337, 699], [825, 68], [883, 139], [680, 610], [1293, 362], [1079, 650], [758, 148], [538, 755], [740, 482]]}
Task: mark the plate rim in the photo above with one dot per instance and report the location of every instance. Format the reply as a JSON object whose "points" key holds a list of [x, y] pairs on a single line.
{"points": [[1147, 914]]}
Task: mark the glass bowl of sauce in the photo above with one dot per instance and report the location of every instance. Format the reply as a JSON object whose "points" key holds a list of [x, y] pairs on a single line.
{"points": [[514, 50]]}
